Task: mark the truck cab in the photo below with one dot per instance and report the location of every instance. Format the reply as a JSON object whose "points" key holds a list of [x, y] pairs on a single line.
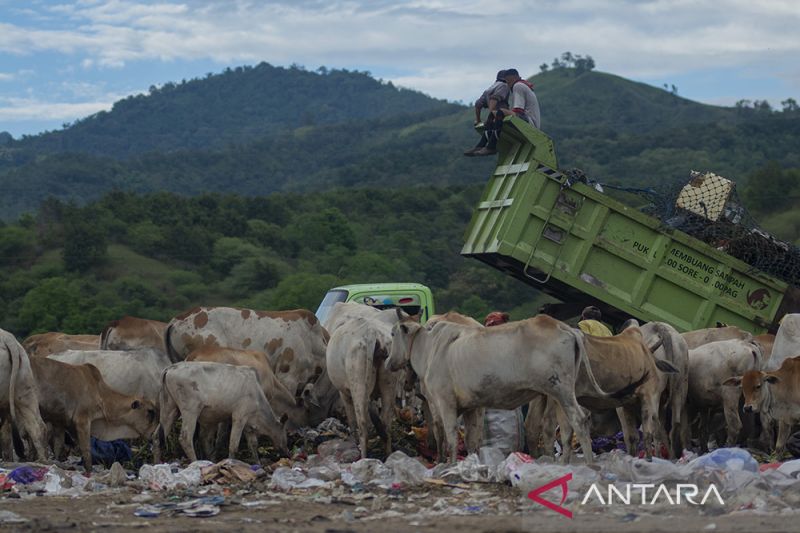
{"points": [[412, 298]]}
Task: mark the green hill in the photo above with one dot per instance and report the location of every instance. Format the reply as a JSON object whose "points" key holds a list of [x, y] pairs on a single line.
{"points": [[259, 130]]}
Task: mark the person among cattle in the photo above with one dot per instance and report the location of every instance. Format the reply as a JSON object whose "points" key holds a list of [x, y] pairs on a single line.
{"points": [[503, 429], [590, 323], [493, 98]]}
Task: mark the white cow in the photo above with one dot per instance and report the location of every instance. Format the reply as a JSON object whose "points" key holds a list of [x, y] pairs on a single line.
{"points": [[132, 372], [695, 339], [710, 365], [359, 344], [787, 341], [19, 395], [529, 357], [212, 393]]}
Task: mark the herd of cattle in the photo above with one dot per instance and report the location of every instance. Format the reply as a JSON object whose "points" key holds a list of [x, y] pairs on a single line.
{"points": [[227, 371]]}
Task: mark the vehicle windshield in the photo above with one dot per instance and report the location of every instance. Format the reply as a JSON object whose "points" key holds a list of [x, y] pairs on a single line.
{"points": [[331, 299]]}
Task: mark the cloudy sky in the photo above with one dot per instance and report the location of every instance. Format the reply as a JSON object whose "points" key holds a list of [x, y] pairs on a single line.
{"points": [[61, 60]]}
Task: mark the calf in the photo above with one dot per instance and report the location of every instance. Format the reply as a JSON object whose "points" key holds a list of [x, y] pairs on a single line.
{"points": [[19, 396], [211, 393], [776, 393], [76, 397], [279, 397]]}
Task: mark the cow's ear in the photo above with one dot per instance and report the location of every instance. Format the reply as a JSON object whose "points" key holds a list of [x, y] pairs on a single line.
{"points": [[772, 379], [734, 381], [284, 419], [136, 404]]}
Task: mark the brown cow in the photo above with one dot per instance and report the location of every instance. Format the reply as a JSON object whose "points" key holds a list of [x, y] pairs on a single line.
{"points": [[776, 393], [130, 333], [618, 362], [75, 396], [43, 344]]}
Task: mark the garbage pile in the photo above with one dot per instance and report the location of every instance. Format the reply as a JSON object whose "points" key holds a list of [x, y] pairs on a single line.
{"points": [[327, 468]]}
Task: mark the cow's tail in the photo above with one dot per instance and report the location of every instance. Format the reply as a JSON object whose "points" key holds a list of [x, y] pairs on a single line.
{"points": [[162, 399], [665, 341], [583, 358], [104, 335], [15, 358], [168, 348]]}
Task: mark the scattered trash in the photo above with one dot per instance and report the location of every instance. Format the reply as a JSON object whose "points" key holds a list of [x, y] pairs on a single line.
{"points": [[162, 476], [731, 459], [27, 474], [341, 451], [285, 478], [230, 471], [199, 507], [407, 470], [109, 452]]}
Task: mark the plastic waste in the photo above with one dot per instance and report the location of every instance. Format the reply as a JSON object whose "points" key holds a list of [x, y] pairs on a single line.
{"points": [[406, 469], [27, 474], [512, 463], [470, 469], [491, 456], [730, 459], [341, 451], [285, 478], [162, 476], [504, 430], [369, 472]]}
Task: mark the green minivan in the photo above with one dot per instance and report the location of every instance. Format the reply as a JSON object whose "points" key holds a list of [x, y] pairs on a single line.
{"points": [[412, 298]]}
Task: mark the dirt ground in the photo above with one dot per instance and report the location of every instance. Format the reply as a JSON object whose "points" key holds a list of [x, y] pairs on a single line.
{"points": [[435, 509]]}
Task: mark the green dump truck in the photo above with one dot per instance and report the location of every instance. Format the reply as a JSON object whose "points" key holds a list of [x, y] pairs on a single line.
{"points": [[581, 246]]}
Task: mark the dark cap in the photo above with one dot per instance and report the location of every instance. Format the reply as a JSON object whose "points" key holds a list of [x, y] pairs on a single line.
{"points": [[501, 74], [591, 313], [511, 72]]}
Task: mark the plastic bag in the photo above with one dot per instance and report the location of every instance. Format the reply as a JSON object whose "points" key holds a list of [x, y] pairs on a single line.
{"points": [[285, 478], [341, 451], [731, 459], [369, 472], [406, 469], [504, 430], [161, 476]]}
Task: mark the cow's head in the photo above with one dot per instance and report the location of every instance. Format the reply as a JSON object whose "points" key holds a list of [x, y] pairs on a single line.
{"points": [[142, 416], [403, 335], [755, 387]]}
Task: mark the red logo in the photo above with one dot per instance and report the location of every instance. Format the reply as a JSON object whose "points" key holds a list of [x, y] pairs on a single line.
{"points": [[562, 481]]}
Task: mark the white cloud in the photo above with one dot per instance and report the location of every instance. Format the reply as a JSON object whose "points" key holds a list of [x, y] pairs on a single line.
{"points": [[20, 109], [6, 76], [448, 48]]}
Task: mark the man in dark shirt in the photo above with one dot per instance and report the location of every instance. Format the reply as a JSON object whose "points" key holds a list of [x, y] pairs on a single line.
{"points": [[493, 98]]}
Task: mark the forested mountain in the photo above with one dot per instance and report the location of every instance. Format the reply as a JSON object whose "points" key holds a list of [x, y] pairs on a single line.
{"points": [[264, 187], [258, 130]]}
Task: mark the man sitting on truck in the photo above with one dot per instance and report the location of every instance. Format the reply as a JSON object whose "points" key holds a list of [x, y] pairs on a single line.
{"points": [[590, 323], [493, 98], [524, 103]]}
